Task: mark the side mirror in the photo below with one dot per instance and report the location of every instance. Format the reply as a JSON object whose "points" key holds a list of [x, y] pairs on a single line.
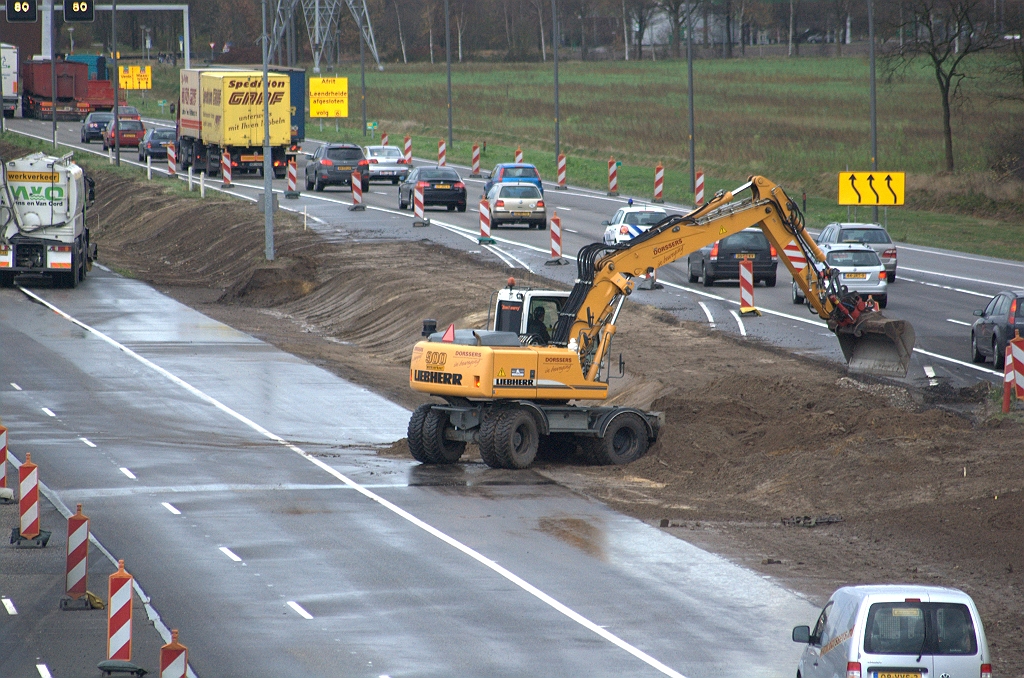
{"points": [[979, 312], [802, 634], [606, 223], [490, 175]]}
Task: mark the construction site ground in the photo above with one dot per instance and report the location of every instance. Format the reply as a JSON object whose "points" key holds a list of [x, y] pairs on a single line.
{"points": [[885, 484]]}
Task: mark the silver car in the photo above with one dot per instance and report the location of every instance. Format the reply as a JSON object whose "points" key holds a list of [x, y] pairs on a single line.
{"points": [[386, 163], [860, 271], [517, 203], [872, 235]]}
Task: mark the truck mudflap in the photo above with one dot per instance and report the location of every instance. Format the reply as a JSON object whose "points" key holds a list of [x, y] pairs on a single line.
{"points": [[877, 345]]}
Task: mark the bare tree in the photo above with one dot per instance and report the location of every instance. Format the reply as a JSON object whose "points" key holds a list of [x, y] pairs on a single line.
{"points": [[540, 6], [640, 13], [401, 37], [675, 12], [945, 32]]}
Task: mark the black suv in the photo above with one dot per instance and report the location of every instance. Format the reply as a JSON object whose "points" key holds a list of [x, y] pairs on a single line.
{"points": [[721, 259], [333, 164]]}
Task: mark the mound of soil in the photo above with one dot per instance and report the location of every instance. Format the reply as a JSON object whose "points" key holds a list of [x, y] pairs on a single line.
{"points": [[884, 485]]}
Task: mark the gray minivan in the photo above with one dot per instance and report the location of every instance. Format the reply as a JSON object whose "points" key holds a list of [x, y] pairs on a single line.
{"points": [[895, 631]]}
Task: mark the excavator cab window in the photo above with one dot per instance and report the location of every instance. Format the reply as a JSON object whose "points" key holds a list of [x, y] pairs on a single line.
{"points": [[509, 317], [544, 316]]}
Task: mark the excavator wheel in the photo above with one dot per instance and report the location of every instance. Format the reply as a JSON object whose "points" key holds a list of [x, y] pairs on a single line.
{"points": [[486, 438], [415, 434], [515, 438], [438, 449], [625, 441]]}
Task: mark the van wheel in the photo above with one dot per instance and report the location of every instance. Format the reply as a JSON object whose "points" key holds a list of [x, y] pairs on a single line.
{"points": [[625, 441], [515, 438]]}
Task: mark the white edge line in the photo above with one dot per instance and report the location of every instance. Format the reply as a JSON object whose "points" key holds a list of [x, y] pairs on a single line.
{"points": [[739, 321], [230, 554], [957, 277], [49, 412], [707, 312], [433, 531], [16, 387], [958, 322], [127, 472], [947, 287], [301, 610], [170, 507], [44, 671], [9, 606], [992, 260], [88, 442]]}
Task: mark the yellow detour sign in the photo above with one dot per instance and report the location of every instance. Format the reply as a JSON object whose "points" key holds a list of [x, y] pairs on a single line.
{"points": [[328, 97], [871, 188], [135, 77]]}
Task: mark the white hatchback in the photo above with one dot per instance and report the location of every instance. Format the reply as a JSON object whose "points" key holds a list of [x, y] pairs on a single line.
{"points": [[629, 222]]}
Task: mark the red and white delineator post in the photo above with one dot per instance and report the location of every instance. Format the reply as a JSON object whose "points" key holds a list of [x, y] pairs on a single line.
{"points": [[485, 223], [417, 207], [77, 568], [519, 155], [747, 288], [28, 502], [384, 138], [408, 150], [356, 181], [172, 161], [119, 615], [475, 173], [225, 169], [659, 183], [698, 192], [561, 172], [442, 153], [795, 256], [1007, 378], [556, 242], [173, 658], [1017, 355], [292, 191], [3, 458], [613, 177]]}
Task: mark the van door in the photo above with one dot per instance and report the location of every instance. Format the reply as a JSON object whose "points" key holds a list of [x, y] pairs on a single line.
{"points": [[897, 639], [956, 652], [812, 662]]}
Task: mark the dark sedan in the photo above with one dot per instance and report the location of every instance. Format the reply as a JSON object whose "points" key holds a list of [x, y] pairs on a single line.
{"points": [[997, 323], [154, 144], [93, 126], [721, 260], [333, 164], [441, 186]]}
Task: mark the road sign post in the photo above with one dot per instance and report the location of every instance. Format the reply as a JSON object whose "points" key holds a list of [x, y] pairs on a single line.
{"points": [[872, 188]]}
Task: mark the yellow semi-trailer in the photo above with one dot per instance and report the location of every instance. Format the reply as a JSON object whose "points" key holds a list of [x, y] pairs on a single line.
{"points": [[223, 111]]}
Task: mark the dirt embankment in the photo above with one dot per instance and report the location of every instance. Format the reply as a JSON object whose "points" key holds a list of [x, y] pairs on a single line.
{"points": [[753, 434]]}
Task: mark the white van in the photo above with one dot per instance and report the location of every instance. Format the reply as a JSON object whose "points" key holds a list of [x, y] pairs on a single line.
{"points": [[895, 631]]}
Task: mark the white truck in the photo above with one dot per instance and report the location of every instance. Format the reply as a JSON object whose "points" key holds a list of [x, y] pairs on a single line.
{"points": [[43, 230], [9, 75]]}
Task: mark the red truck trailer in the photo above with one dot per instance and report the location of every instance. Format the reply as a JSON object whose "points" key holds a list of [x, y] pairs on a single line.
{"points": [[77, 95]]}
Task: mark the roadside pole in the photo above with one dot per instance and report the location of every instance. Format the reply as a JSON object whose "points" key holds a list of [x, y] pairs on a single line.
{"points": [[874, 117], [53, 68], [268, 163], [362, 68], [117, 81], [554, 53], [689, 70], [448, 60]]}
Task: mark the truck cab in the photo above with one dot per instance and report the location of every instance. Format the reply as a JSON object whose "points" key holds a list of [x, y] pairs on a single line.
{"points": [[527, 312]]}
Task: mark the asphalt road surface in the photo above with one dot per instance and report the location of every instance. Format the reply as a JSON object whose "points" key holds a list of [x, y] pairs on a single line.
{"points": [[240, 486]]}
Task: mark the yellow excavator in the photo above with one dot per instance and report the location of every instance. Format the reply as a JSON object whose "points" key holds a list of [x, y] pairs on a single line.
{"points": [[513, 395]]}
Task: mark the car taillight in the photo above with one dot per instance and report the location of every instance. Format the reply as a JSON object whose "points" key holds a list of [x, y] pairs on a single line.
{"points": [[986, 671], [881, 274], [540, 203], [149, 144], [852, 669], [889, 254], [364, 163], [403, 162], [1013, 311], [499, 203], [59, 248], [278, 163], [234, 163], [422, 184], [459, 185], [327, 162], [714, 252], [373, 161], [774, 253]]}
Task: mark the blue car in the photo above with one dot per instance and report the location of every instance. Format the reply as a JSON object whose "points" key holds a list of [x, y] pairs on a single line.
{"points": [[513, 172]]}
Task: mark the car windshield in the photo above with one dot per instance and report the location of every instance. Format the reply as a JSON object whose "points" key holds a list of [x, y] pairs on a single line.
{"points": [[163, 135], [438, 175], [853, 258], [746, 240], [127, 110], [101, 117], [385, 153], [643, 218], [353, 154], [520, 173], [128, 125], [525, 192], [864, 235]]}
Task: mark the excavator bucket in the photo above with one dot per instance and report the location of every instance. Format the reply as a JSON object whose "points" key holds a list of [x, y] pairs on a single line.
{"points": [[877, 345]]}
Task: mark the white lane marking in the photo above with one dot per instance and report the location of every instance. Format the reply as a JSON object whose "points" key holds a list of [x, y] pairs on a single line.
{"points": [[127, 473], [88, 442], [566, 209], [49, 412], [372, 496], [961, 363], [739, 321], [170, 507], [947, 287], [101, 267], [230, 554], [16, 387], [929, 372], [44, 672], [298, 608], [707, 312], [957, 277], [500, 254], [570, 230], [381, 193], [9, 606], [958, 322], [999, 262]]}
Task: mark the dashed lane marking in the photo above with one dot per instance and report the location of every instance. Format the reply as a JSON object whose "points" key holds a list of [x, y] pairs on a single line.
{"points": [[230, 554], [739, 321], [947, 287], [9, 606], [44, 672], [170, 507], [49, 412], [127, 473], [15, 386], [958, 322], [929, 372], [301, 610], [957, 277], [707, 312], [88, 442]]}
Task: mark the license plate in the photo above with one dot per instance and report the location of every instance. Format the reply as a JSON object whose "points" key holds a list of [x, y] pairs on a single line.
{"points": [[347, 167], [746, 255], [521, 214], [252, 158], [856, 276], [387, 174], [442, 185], [899, 674]]}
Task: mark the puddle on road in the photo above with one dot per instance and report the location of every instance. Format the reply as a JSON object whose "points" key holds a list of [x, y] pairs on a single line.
{"points": [[577, 533], [470, 475]]}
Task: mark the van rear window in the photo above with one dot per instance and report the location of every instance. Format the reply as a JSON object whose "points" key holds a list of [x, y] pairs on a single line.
{"points": [[920, 629]]}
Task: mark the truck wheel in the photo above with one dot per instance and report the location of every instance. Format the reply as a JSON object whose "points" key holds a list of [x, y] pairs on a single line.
{"points": [[625, 441], [439, 449], [415, 433], [515, 438]]}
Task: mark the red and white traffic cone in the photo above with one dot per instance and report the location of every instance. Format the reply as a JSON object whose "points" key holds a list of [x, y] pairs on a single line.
{"points": [[173, 658], [518, 155], [293, 180], [556, 242], [356, 180], [408, 150], [485, 223], [475, 173], [384, 139], [172, 161], [613, 177], [698, 193], [225, 169], [561, 172], [659, 183], [417, 207], [77, 568], [119, 615], [747, 288], [442, 153]]}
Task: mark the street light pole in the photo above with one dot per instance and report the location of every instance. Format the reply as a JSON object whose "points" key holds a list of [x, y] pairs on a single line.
{"points": [[689, 70], [554, 53], [448, 60], [362, 68], [53, 67], [874, 119], [117, 81], [268, 163]]}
